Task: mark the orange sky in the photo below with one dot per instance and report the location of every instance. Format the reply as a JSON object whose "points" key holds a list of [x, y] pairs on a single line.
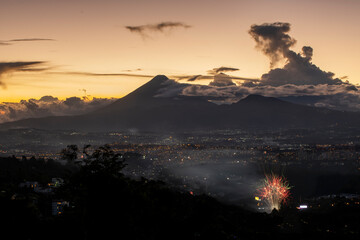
{"points": [[89, 36]]}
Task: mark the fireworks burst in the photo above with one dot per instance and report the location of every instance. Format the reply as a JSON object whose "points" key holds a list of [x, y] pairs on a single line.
{"points": [[274, 191]]}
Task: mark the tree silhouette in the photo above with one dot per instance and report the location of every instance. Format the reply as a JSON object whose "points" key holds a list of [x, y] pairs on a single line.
{"points": [[104, 160], [70, 153]]}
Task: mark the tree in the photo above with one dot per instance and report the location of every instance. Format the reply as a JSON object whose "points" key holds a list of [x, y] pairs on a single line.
{"points": [[104, 160], [70, 153]]}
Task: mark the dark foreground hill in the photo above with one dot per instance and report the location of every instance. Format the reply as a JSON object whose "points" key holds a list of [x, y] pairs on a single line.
{"points": [[143, 110], [103, 204]]}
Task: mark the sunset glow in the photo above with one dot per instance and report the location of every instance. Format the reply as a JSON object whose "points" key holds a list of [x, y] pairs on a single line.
{"points": [[91, 37]]}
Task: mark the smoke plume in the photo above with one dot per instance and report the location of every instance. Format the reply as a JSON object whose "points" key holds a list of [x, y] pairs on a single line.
{"points": [[272, 39]]}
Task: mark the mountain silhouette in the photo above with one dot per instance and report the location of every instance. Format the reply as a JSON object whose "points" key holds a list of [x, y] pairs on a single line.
{"points": [[143, 110]]}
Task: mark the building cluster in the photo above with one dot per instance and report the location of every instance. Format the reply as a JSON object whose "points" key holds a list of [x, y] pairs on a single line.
{"points": [[57, 205]]}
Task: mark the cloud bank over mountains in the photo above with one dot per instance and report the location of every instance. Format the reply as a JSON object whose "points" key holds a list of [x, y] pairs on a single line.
{"points": [[50, 106]]}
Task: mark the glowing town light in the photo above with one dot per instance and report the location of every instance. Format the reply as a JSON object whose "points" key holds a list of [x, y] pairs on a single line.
{"points": [[301, 207]]}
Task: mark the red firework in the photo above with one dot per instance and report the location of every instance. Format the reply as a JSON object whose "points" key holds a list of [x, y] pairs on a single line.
{"points": [[274, 190]]}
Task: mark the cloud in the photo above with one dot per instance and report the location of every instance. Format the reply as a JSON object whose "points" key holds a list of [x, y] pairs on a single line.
{"points": [[213, 73], [222, 70], [299, 71], [50, 106], [4, 43], [339, 97], [212, 92], [17, 66], [104, 74], [222, 80], [171, 88], [8, 67], [31, 39], [73, 102], [144, 30], [48, 99], [272, 39], [11, 41], [340, 101], [133, 70], [192, 78], [307, 52]]}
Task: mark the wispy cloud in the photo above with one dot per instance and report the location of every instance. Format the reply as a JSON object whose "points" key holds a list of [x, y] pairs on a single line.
{"points": [[102, 74], [8, 67], [12, 41], [192, 78], [222, 70], [144, 30], [4, 43], [132, 70], [31, 39]]}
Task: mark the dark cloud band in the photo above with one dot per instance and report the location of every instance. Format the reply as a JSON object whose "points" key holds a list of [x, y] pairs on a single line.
{"points": [[222, 70], [12, 41], [31, 39]]}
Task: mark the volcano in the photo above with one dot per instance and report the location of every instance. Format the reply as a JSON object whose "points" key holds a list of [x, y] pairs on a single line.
{"points": [[144, 110]]}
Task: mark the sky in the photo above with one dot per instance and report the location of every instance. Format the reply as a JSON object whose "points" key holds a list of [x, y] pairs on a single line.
{"points": [[108, 48]]}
